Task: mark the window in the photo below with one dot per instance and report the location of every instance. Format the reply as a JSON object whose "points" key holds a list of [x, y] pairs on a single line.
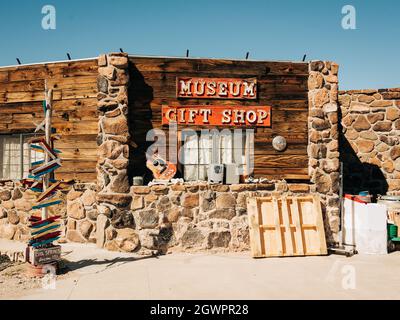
{"points": [[205, 147], [16, 156]]}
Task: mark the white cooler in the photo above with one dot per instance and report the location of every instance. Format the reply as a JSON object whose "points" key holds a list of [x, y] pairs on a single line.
{"points": [[365, 226]]}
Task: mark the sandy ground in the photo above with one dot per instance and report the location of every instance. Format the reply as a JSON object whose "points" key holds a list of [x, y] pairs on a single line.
{"points": [[99, 274]]}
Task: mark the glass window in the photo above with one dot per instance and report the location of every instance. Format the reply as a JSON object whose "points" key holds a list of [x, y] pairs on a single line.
{"points": [[16, 156], [202, 148]]}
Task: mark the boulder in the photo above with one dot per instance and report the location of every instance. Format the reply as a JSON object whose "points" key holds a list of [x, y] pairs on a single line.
{"points": [[88, 197], [7, 231], [85, 227], [146, 219], [190, 200], [226, 213], [23, 205], [193, 237], [75, 236], [127, 240], [218, 239], [75, 210], [5, 195], [225, 201], [13, 217], [101, 225]]}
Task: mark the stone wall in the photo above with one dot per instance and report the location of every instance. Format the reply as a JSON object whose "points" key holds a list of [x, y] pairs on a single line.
{"points": [[370, 143], [189, 217], [323, 147]]}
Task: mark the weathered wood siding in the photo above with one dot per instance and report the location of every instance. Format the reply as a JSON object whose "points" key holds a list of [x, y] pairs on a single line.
{"points": [[75, 110], [282, 85]]}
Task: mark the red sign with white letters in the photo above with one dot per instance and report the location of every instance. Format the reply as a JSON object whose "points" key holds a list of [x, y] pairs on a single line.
{"points": [[217, 115]]}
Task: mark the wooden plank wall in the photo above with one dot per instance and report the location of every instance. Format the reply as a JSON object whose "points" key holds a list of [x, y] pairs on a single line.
{"points": [[75, 110], [282, 85]]}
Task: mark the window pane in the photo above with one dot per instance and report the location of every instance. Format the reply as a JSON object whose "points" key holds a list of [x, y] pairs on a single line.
{"points": [[10, 157]]}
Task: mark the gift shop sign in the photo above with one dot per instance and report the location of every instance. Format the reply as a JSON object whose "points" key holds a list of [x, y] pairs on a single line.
{"points": [[216, 88], [217, 115]]}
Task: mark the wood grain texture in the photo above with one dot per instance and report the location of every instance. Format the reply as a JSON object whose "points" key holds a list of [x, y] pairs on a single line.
{"points": [[75, 114], [282, 85]]}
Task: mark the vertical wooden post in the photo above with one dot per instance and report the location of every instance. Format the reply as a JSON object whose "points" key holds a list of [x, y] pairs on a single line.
{"points": [[49, 102]]}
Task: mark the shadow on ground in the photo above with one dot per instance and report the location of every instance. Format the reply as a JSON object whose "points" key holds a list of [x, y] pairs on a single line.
{"points": [[69, 266]]}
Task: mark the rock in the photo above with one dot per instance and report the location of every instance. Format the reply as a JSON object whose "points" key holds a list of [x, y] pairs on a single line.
{"points": [[116, 126], [88, 197], [365, 146], [101, 225], [150, 198], [71, 224], [219, 188], [392, 114], [120, 164], [120, 183], [117, 199], [118, 62], [193, 237], [317, 151], [159, 189], [137, 203], [356, 107], [361, 123], [92, 214], [147, 219], [110, 149], [226, 213], [239, 229], [383, 126], [123, 219], [374, 117], [345, 101], [315, 81], [218, 239], [315, 137], [388, 166], [3, 213], [369, 135], [22, 233], [243, 187], [319, 124], [174, 214], [140, 189], [102, 84], [108, 72], [111, 246], [149, 239], [8, 204], [190, 200], [23, 205], [75, 236], [113, 113], [85, 228], [75, 210], [7, 231], [366, 99], [16, 194], [5, 195], [322, 181], [13, 217], [73, 194], [321, 97], [299, 188], [225, 201], [395, 153], [381, 103], [102, 60], [317, 65], [104, 210], [111, 233], [127, 240]]}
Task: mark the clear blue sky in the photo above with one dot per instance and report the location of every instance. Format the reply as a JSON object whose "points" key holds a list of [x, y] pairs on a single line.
{"points": [[270, 30]]}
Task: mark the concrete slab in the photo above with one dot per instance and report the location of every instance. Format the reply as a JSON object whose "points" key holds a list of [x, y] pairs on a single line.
{"points": [[99, 274]]}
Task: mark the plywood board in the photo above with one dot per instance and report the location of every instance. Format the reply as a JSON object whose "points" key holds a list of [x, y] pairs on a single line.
{"points": [[286, 226]]}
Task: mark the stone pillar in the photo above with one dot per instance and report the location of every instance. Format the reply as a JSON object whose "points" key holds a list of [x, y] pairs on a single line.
{"points": [[323, 144], [113, 139]]}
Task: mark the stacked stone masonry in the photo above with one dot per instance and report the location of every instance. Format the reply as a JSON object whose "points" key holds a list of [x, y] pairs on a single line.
{"points": [[371, 140], [323, 146]]}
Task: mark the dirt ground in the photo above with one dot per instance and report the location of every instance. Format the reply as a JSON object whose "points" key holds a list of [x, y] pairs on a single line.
{"points": [[15, 283]]}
